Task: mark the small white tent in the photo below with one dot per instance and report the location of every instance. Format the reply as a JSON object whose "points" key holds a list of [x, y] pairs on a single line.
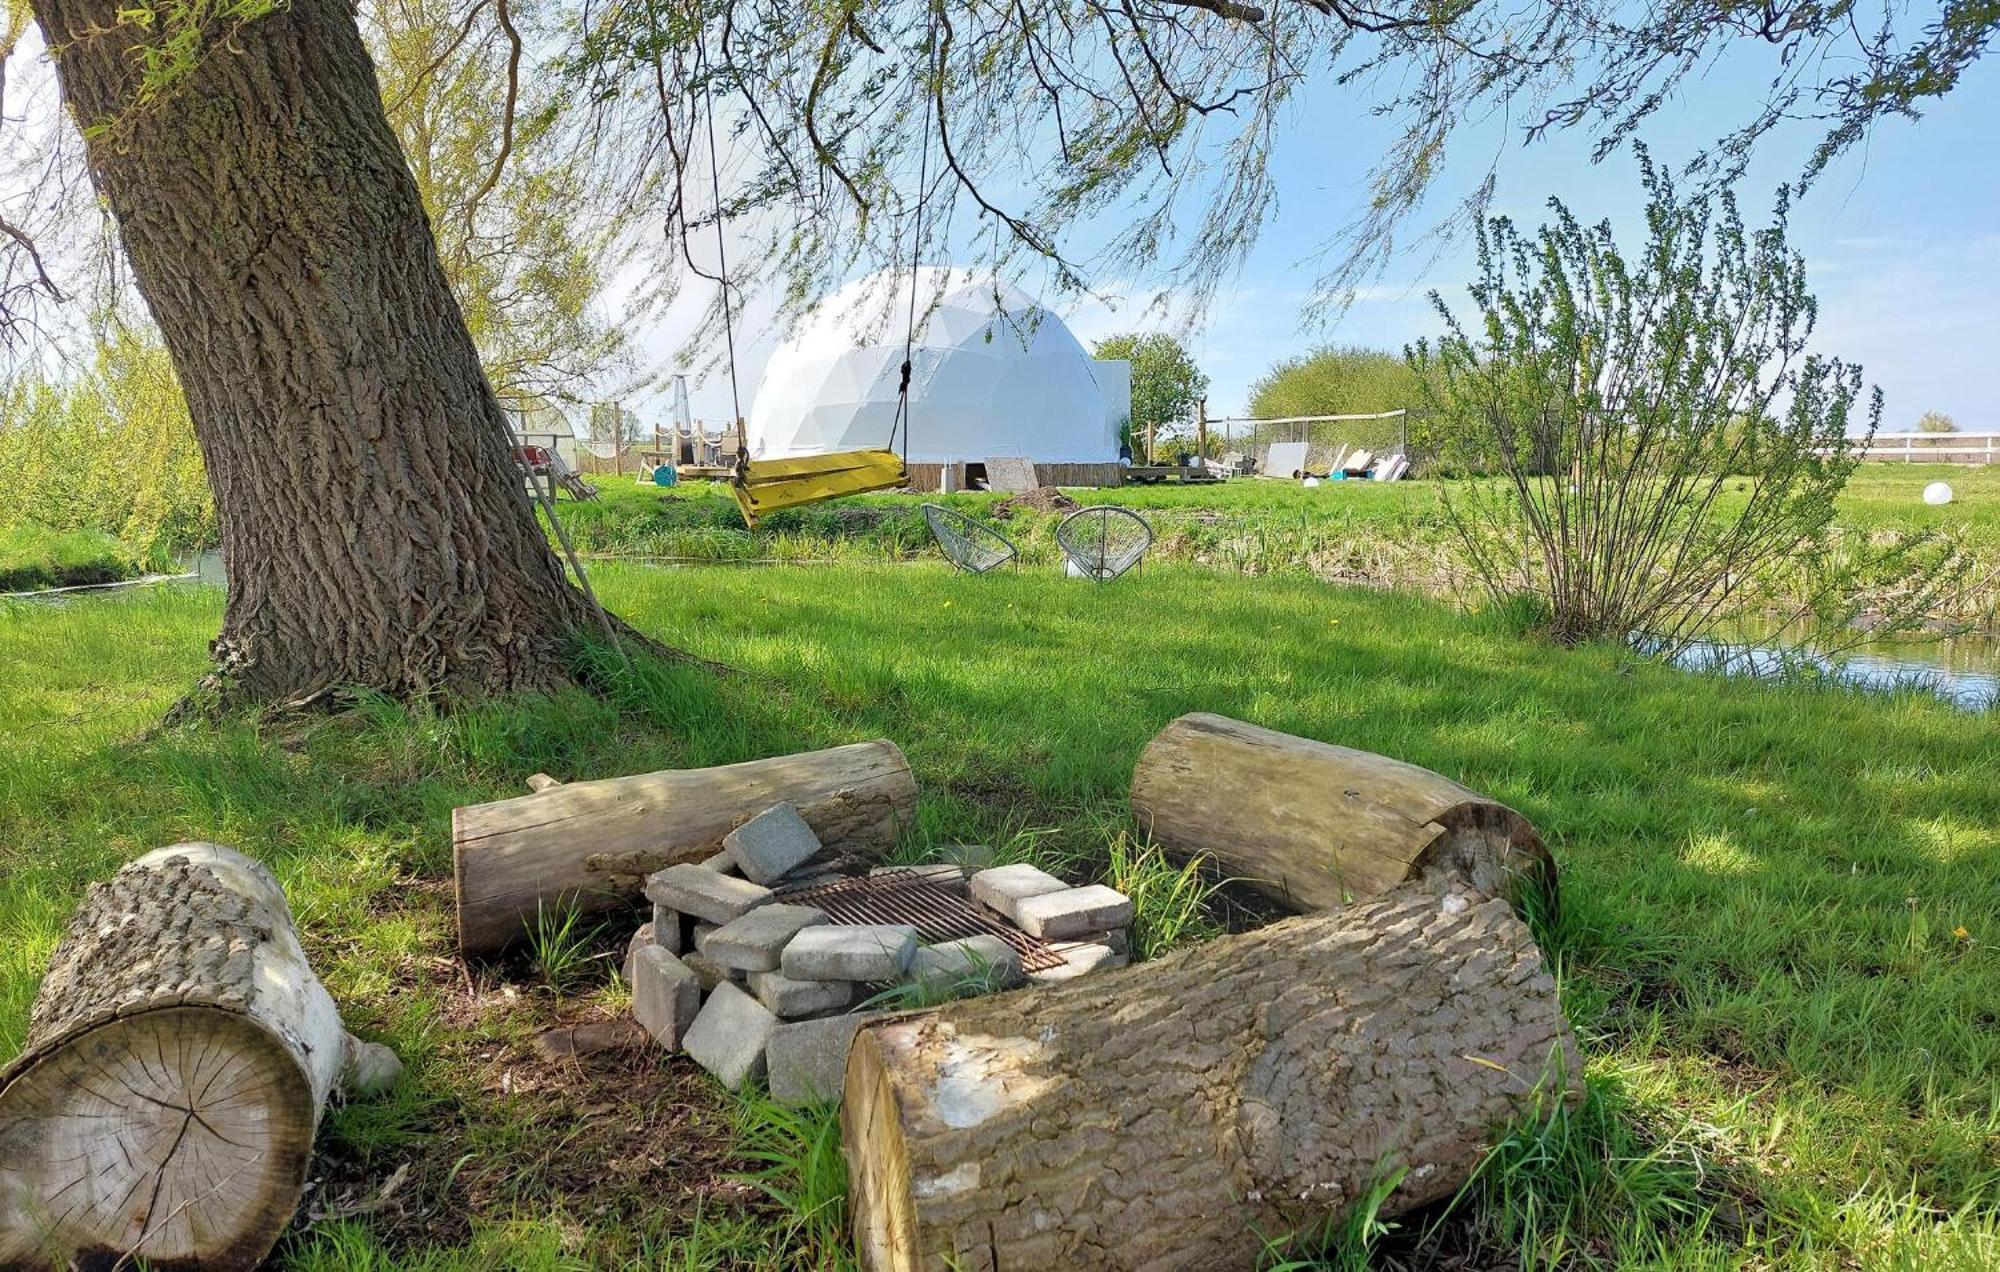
{"points": [[992, 373]]}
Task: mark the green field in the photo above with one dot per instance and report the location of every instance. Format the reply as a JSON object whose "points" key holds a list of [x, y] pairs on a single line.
{"points": [[1778, 941], [1357, 531], [32, 557]]}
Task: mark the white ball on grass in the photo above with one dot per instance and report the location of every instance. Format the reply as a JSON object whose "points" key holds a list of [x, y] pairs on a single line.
{"points": [[1937, 494]]}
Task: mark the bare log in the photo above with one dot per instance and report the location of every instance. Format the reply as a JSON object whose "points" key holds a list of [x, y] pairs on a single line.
{"points": [[590, 845], [1314, 825], [1165, 1115], [179, 1055]]}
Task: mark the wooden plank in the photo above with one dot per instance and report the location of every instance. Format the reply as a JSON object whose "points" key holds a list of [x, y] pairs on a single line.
{"points": [[766, 471]]}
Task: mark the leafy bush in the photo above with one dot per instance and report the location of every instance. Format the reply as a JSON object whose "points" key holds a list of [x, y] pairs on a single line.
{"points": [[1617, 400], [111, 450]]}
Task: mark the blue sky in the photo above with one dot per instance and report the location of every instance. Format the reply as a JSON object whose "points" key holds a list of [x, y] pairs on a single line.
{"points": [[1901, 239]]}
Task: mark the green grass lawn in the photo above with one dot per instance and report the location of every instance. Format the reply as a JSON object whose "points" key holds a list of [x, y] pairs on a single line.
{"points": [[1781, 906], [33, 557], [1361, 531]]}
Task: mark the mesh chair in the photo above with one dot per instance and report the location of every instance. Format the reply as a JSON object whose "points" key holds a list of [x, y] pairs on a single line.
{"points": [[972, 546], [1103, 542]]}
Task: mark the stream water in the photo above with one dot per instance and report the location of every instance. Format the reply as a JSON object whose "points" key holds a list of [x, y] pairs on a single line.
{"points": [[1963, 670]]}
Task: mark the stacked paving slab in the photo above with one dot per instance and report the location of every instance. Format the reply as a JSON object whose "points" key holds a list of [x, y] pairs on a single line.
{"points": [[752, 986]]}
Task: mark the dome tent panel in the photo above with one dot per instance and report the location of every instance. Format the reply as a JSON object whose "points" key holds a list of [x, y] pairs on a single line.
{"points": [[993, 373]]}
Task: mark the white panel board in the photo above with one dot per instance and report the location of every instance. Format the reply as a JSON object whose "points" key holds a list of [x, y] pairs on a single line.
{"points": [[1284, 459]]}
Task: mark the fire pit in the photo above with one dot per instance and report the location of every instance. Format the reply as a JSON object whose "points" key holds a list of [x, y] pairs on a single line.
{"points": [[764, 960]]}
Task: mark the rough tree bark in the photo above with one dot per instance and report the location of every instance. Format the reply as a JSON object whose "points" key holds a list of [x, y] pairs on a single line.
{"points": [[178, 1057], [1165, 1115], [1313, 825], [373, 524], [589, 846]]}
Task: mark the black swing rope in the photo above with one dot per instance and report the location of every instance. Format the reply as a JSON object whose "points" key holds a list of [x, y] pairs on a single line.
{"points": [[722, 261], [902, 419]]}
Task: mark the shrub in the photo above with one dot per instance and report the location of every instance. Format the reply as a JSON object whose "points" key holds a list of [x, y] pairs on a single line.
{"points": [[111, 450], [1616, 399], [1333, 380]]}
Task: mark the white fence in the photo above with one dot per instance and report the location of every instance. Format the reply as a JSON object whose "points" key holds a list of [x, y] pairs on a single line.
{"points": [[1934, 448]]}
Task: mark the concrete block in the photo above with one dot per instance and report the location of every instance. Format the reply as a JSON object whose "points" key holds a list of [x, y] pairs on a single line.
{"points": [[1119, 939], [1079, 959], [771, 844], [665, 995], [705, 894], [753, 942], [709, 972], [700, 936], [669, 929], [975, 965], [640, 940], [1074, 912], [863, 952], [1003, 888], [808, 1058], [729, 1034], [721, 863], [795, 999]]}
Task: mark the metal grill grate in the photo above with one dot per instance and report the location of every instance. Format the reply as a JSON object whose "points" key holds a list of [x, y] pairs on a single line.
{"points": [[935, 911]]}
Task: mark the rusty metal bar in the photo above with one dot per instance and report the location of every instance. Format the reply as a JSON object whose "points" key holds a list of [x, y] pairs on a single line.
{"points": [[938, 913]]}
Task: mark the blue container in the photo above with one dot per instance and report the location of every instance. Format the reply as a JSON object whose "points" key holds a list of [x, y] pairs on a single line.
{"points": [[664, 475]]}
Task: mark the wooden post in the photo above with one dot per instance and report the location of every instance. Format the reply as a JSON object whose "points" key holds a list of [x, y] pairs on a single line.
{"points": [[1149, 441], [1201, 433]]}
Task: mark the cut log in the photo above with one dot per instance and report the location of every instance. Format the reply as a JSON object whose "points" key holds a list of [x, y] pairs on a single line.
{"points": [[179, 1054], [1165, 1115], [1314, 826], [590, 845]]}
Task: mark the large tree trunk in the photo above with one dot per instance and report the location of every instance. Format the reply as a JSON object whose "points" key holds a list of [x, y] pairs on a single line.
{"points": [[588, 846], [1165, 1115], [178, 1057], [1313, 825], [374, 527]]}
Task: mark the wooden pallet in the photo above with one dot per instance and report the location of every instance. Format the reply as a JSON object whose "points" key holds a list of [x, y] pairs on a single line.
{"points": [[1151, 474]]}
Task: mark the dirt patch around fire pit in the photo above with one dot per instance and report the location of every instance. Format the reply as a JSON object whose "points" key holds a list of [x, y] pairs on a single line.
{"points": [[1040, 499]]}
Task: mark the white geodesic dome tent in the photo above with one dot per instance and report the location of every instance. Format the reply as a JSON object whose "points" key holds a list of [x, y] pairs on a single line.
{"points": [[993, 373]]}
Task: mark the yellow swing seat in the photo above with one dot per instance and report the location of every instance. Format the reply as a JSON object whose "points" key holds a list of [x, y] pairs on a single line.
{"points": [[766, 485]]}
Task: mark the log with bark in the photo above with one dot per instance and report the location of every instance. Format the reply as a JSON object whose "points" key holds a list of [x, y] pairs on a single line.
{"points": [[1313, 825], [589, 846], [1165, 1115], [179, 1054]]}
